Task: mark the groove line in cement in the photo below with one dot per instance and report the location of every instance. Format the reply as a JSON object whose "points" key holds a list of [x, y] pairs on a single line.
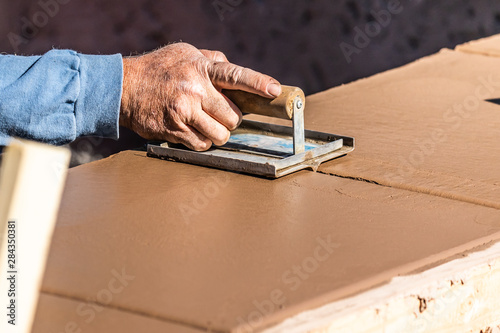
{"points": [[420, 189], [134, 311]]}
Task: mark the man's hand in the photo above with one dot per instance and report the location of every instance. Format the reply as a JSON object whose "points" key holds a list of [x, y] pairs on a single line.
{"points": [[174, 94]]}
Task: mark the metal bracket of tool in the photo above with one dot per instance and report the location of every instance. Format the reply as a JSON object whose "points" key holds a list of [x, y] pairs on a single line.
{"points": [[298, 126]]}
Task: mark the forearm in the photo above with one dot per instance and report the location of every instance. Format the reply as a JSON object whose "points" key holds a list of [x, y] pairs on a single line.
{"points": [[59, 96]]}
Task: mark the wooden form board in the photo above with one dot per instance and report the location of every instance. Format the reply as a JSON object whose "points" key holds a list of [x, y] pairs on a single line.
{"points": [[212, 250], [32, 180]]}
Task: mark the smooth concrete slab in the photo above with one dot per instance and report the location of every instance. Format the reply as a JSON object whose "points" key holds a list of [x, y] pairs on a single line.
{"points": [[432, 127], [226, 252]]}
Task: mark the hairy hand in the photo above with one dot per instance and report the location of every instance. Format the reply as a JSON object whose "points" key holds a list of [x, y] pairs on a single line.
{"points": [[174, 94]]}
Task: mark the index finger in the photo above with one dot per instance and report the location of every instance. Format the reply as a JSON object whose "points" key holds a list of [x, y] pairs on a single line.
{"points": [[226, 75]]}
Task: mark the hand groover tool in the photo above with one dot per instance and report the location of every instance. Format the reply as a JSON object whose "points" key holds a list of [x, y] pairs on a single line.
{"points": [[264, 149]]}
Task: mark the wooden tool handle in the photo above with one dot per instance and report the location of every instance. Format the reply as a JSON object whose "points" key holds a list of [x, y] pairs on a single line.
{"points": [[280, 107]]}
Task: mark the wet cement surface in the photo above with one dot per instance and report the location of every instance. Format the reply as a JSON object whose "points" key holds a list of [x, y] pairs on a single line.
{"points": [[209, 249], [431, 127], [213, 249]]}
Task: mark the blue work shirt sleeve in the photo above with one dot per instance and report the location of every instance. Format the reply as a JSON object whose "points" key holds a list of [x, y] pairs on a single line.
{"points": [[59, 96]]}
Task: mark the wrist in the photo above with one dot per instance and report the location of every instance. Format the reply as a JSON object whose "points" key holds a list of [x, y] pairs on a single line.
{"points": [[129, 68]]}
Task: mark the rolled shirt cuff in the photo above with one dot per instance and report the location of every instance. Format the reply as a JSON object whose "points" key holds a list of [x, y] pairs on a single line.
{"points": [[97, 108]]}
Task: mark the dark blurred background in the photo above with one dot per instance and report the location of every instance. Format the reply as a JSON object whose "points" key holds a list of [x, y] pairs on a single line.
{"points": [[297, 42]]}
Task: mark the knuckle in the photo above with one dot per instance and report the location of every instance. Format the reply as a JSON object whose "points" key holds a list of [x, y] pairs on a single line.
{"points": [[193, 88], [201, 145], [235, 74], [231, 74], [234, 121], [219, 56], [180, 107], [221, 137], [201, 66]]}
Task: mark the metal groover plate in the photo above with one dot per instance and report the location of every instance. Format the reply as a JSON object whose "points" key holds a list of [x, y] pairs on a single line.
{"points": [[261, 149]]}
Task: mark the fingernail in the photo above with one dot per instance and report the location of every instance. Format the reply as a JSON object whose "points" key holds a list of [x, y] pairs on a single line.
{"points": [[274, 89]]}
